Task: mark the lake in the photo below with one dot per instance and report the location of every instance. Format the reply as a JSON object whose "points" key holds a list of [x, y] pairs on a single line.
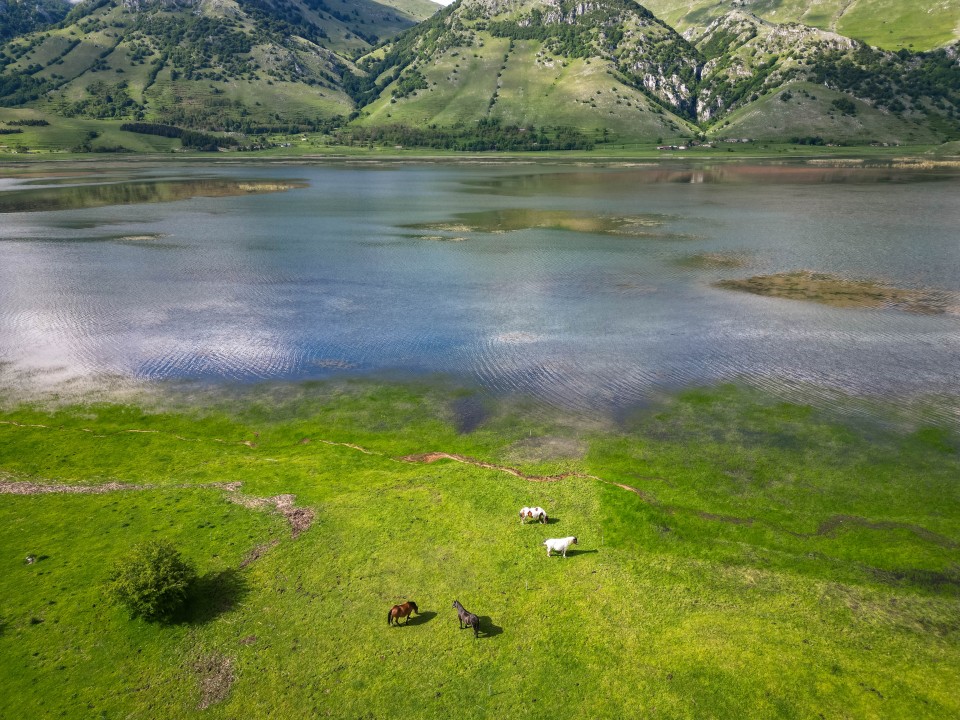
{"points": [[586, 287]]}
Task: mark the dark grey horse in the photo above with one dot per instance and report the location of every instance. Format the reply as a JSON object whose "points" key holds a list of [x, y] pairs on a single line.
{"points": [[467, 619]]}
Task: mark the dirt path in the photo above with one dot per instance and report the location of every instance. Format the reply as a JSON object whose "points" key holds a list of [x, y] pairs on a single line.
{"points": [[23, 487], [299, 518], [434, 456]]}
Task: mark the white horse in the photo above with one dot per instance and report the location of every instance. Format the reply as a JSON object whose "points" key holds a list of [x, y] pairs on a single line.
{"points": [[534, 513], [560, 545]]}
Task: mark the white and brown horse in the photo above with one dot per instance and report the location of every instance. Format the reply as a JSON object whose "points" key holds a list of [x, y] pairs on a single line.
{"points": [[533, 513]]}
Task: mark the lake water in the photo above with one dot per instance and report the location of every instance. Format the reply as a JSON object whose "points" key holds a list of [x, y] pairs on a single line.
{"points": [[585, 287]]}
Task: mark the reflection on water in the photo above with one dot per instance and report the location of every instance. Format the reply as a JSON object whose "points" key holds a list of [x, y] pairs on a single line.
{"points": [[76, 197], [546, 296], [813, 172]]}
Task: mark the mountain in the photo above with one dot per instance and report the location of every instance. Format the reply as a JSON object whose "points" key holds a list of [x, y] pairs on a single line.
{"points": [[825, 84], [587, 64], [478, 74], [888, 24], [18, 17], [611, 64], [216, 64]]}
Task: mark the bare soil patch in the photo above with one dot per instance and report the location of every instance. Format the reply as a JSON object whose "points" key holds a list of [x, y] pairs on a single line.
{"points": [[25, 487], [300, 518], [215, 675], [435, 456], [31, 488], [258, 552]]}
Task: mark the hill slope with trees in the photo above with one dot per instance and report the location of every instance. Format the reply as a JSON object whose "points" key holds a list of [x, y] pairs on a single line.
{"points": [[478, 74]]}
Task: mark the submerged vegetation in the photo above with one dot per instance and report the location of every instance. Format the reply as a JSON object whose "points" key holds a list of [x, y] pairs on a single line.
{"points": [[844, 292], [714, 260], [737, 555], [509, 220]]}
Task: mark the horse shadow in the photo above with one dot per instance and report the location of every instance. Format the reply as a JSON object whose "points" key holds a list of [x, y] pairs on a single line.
{"points": [[420, 618], [550, 521], [487, 628], [572, 551]]}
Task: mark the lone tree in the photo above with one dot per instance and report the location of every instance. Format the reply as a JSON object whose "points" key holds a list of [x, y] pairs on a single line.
{"points": [[152, 581]]}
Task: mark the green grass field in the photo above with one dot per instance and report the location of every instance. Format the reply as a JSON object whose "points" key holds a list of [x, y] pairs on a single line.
{"points": [[63, 134], [770, 560]]}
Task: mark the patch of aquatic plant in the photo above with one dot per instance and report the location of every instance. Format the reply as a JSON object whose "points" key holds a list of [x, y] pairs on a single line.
{"points": [[714, 261], [510, 220], [436, 238], [843, 292]]}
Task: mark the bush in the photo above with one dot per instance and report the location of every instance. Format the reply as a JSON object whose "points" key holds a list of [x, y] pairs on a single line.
{"points": [[152, 581], [845, 106]]}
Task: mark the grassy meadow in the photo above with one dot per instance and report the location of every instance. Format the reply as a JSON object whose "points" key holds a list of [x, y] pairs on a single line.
{"points": [[738, 556]]}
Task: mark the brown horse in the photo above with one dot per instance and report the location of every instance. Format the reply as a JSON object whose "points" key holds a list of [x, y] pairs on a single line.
{"points": [[402, 611]]}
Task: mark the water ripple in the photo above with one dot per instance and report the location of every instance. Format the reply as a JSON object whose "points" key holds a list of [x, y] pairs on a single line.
{"points": [[312, 284]]}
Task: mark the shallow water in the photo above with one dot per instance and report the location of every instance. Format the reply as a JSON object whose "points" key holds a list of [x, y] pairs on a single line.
{"points": [[579, 285]]}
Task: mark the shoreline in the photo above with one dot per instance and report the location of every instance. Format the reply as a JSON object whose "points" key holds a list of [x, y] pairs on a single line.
{"points": [[343, 154]]}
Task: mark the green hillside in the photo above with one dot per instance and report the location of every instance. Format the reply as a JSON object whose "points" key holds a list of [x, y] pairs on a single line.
{"points": [[864, 93], [231, 65], [807, 113], [476, 75], [888, 24], [610, 65]]}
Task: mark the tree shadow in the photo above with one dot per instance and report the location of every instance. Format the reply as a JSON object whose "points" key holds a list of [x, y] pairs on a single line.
{"points": [[421, 618], [214, 594], [487, 628]]}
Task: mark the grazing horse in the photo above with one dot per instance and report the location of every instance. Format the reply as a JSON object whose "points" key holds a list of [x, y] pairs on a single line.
{"points": [[560, 545], [467, 619], [534, 513], [401, 611]]}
